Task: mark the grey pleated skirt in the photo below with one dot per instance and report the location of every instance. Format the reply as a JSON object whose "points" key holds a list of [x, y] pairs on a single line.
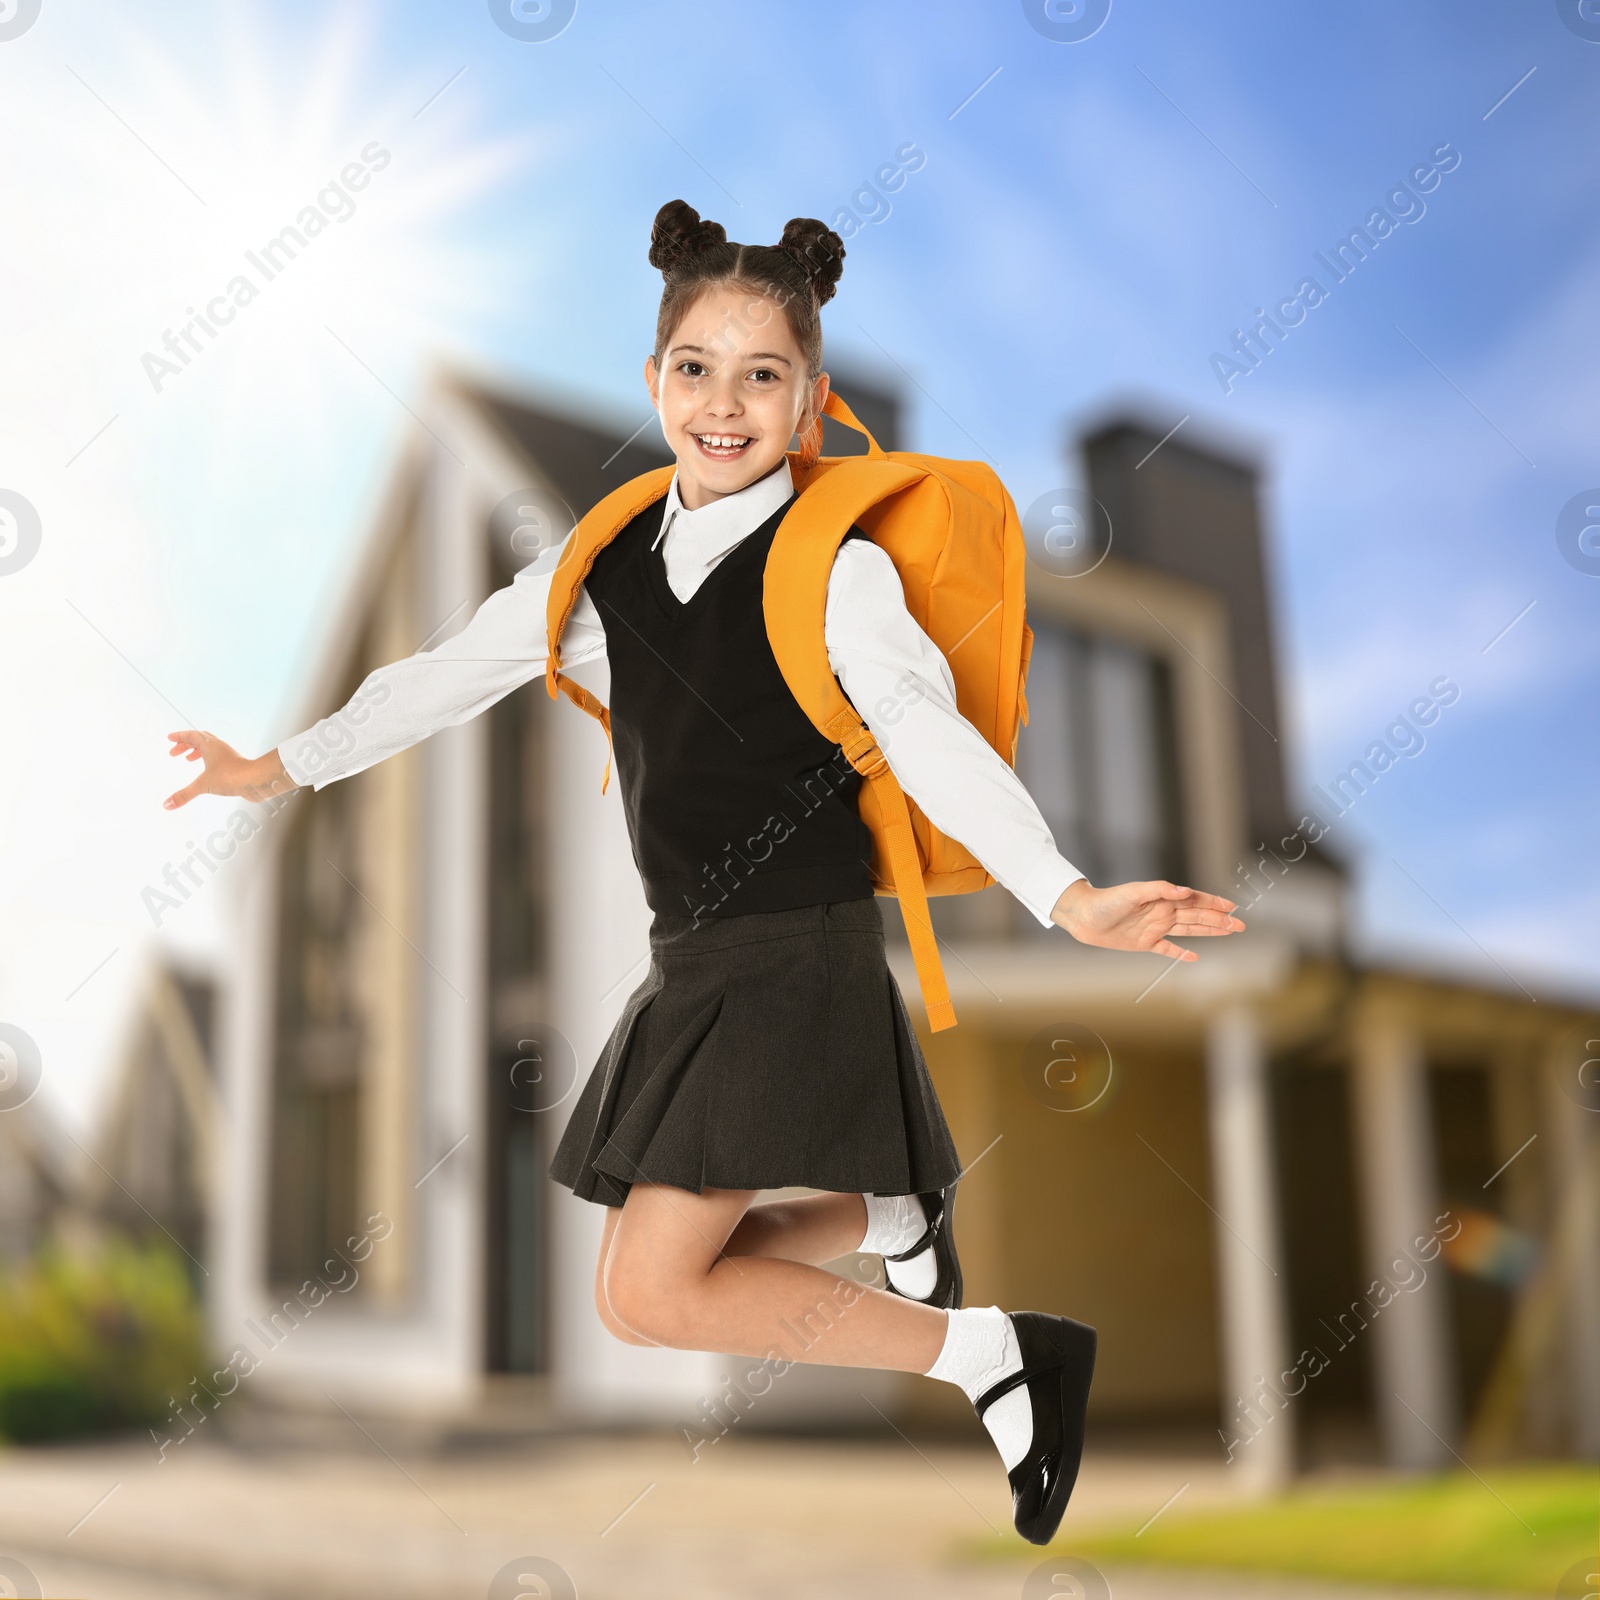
{"points": [[761, 1051]]}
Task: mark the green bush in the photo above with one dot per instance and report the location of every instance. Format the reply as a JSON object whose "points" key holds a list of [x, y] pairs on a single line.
{"points": [[96, 1342]]}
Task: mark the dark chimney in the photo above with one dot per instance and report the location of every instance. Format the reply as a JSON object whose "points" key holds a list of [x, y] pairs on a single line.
{"points": [[1196, 514]]}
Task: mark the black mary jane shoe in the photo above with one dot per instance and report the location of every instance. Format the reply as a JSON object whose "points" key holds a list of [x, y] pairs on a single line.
{"points": [[938, 1207], [1057, 1365]]}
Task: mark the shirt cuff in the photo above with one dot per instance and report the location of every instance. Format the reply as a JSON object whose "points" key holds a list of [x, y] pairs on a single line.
{"points": [[1043, 886], [302, 776]]}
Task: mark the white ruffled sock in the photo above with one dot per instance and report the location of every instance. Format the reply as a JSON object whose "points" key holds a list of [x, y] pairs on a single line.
{"points": [[980, 1348], [894, 1223]]}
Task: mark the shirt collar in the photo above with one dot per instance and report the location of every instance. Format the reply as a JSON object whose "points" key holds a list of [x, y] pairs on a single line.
{"points": [[722, 524]]}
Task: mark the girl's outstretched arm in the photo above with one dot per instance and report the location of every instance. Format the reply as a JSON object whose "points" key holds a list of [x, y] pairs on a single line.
{"points": [[501, 647], [902, 685], [226, 771]]}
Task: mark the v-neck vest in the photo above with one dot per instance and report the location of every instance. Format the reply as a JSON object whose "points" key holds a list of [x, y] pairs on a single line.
{"points": [[735, 802]]}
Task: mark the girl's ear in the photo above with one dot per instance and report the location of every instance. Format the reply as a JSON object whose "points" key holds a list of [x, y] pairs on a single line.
{"points": [[809, 426], [650, 380], [814, 403]]}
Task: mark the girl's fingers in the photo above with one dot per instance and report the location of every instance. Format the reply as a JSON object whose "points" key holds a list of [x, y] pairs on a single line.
{"points": [[1167, 948], [1212, 921], [1197, 898], [183, 796], [1209, 902], [186, 742]]}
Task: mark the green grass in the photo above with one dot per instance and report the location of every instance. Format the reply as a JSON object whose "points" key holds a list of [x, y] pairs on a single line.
{"points": [[1450, 1530]]}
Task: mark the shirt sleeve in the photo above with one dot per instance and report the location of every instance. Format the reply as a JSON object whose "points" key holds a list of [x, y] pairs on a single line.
{"points": [[501, 647], [901, 684]]}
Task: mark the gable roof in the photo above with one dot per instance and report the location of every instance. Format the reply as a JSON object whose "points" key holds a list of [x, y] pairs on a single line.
{"points": [[582, 460], [583, 455]]}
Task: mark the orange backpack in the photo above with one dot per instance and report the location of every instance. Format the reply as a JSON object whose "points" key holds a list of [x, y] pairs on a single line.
{"points": [[954, 537]]}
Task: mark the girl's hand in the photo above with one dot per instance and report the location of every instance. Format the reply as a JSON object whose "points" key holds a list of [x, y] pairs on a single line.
{"points": [[1143, 916], [226, 771]]}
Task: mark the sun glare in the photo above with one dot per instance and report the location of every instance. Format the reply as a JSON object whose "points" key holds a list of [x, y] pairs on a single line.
{"points": [[236, 247]]}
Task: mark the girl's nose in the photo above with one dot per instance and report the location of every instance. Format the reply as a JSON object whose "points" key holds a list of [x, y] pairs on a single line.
{"points": [[724, 400]]}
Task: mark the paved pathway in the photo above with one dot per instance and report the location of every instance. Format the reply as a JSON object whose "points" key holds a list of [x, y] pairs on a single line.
{"points": [[626, 1519]]}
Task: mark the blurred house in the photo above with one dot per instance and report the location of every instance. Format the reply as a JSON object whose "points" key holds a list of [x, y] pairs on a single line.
{"points": [[147, 1172], [36, 1177], [1224, 1166], [151, 1171]]}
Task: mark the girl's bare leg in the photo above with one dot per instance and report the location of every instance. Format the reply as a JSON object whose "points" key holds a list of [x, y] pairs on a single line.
{"points": [[617, 1329], [812, 1228], [668, 1278]]}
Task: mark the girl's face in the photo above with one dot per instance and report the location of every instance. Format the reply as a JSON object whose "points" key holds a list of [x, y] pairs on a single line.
{"points": [[731, 391]]}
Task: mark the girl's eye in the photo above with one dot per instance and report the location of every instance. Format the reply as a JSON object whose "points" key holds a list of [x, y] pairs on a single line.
{"points": [[764, 375], [691, 369]]}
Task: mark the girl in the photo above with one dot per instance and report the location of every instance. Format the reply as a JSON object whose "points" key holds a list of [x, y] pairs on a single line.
{"points": [[769, 1045]]}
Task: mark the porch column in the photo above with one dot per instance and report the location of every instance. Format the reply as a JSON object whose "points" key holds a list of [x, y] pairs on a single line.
{"points": [[451, 1085], [1252, 1276], [1575, 1170], [1413, 1350]]}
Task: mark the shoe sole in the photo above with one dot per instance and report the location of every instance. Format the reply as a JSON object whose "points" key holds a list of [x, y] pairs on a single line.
{"points": [[1078, 1350]]}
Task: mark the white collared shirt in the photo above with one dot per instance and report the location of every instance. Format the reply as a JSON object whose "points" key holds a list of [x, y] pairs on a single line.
{"points": [[892, 671], [697, 540]]}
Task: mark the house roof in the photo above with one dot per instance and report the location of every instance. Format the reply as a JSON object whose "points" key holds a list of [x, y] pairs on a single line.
{"points": [[582, 456], [583, 460]]}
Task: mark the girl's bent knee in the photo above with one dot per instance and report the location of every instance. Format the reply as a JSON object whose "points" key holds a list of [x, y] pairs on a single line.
{"points": [[651, 1308], [613, 1324]]}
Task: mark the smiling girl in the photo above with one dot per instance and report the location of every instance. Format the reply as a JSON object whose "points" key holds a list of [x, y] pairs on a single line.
{"points": [[769, 1045]]}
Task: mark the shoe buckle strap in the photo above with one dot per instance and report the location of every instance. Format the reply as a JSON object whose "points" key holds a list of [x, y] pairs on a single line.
{"points": [[1016, 1381], [929, 1234]]}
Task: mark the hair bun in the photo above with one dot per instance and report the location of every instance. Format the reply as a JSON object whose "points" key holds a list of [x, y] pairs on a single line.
{"points": [[678, 231], [818, 250]]}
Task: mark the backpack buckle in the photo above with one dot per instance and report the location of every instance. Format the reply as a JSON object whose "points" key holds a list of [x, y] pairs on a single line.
{"points": [[861, 747]]}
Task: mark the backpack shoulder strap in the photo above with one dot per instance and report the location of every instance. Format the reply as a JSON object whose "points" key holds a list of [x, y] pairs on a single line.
{"points": [[794, 600], [593, 533]]}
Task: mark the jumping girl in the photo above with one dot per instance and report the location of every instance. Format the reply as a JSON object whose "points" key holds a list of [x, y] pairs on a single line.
{"points": [[768, 1046]]}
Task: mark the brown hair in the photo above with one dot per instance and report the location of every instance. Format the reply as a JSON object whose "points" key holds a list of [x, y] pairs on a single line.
{"points": [[799, 271]]}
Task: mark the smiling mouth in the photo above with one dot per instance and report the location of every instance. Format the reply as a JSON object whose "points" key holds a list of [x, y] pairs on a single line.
{"points": [[722, 446]]}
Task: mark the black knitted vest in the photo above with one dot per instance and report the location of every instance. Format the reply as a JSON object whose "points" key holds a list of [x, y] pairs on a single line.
{"points": [[735, 803]]}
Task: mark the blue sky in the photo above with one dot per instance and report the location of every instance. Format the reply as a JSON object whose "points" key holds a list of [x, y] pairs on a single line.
{"points": [[1093, 222]]}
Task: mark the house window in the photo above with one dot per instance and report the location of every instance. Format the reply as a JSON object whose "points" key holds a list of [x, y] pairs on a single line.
{"points": [[317, 1071], [1099, 756], [520, 1060]]}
